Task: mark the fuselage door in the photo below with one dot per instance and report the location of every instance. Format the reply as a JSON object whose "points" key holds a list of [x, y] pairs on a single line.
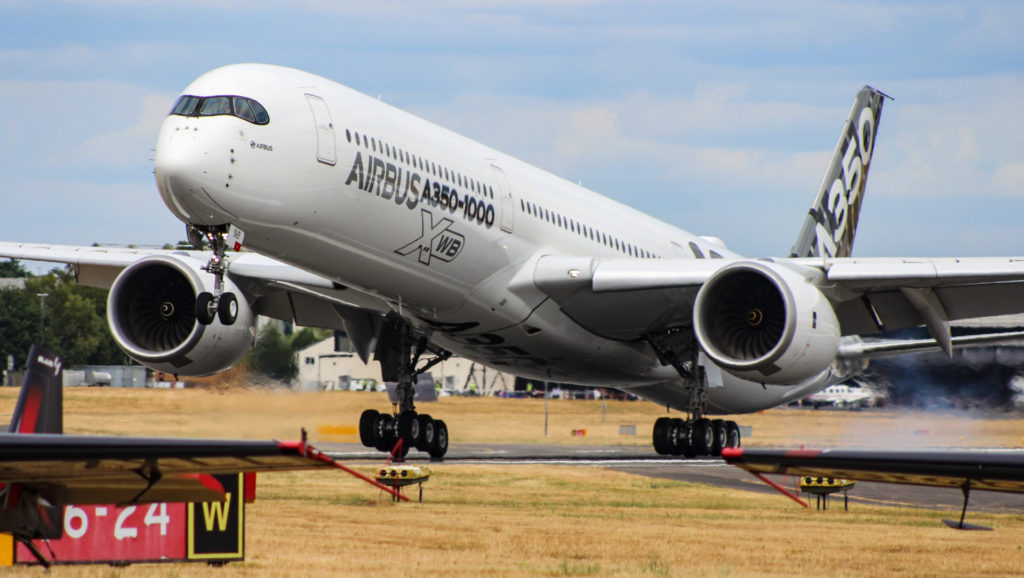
{"points": [[325, 152], [508, 215]]}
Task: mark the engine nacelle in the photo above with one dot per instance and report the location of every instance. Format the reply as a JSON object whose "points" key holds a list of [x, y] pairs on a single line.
{"points": [[151, 313], [765, 322]]}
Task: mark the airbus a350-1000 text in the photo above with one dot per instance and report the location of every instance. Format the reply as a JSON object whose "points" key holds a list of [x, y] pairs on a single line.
{"points": [[418, 243]]}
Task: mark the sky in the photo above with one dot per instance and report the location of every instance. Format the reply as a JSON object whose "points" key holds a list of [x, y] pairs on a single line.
{"points": [[718, 117]]}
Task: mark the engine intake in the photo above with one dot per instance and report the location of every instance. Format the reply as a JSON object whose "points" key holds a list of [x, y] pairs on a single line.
{"points": [[151, 313], [766, 322]]}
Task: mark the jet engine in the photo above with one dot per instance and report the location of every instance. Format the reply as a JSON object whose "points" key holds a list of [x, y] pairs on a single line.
{"points": [[151, 310], [766, 322]]}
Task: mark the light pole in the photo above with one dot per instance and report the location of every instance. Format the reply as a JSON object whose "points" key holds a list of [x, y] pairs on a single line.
{"points": [[42, 314]]}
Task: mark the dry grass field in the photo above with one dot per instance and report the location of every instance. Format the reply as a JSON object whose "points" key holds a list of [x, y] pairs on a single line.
{"points": [[544, 520]]}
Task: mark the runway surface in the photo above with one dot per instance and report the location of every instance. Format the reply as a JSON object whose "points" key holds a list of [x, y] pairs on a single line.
{"points": [[641, 461]]}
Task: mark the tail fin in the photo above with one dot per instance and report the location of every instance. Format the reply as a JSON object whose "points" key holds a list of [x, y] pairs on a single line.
{"points": [[40, 407], [832, 221]]}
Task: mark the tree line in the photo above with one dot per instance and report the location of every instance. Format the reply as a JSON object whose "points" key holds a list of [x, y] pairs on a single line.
{"points": [[54, 311]]}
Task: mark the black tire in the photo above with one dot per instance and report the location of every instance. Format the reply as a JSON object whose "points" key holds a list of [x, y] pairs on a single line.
{"points": [[440, 446], [678, 436], [662, 430], [721, 436], [408, 427], [703, 437], [426, 432], [227, 309], [204, 313], [733, 439], [367, 434], [689, 446], [384, 432]]}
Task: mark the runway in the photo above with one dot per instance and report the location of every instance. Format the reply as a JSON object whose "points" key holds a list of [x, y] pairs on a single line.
{"points": [[713, 471]]}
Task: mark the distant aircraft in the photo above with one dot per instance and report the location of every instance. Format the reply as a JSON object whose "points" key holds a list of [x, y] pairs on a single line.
{"points": [[41, 470], [965, 470], [846, 395], [418, 243]]}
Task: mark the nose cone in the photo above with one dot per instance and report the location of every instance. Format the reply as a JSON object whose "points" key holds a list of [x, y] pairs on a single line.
{"points": [[187, 168]]}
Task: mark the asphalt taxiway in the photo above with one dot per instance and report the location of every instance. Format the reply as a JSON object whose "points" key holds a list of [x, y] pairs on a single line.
{"points": [[643, 462]]}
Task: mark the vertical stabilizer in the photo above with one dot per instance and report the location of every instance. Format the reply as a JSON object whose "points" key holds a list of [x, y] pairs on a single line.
{"points": [[40, 406], [831, 223]]}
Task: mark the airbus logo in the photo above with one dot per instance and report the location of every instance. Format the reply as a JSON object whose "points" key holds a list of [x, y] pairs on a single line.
{"points": [[436, 240]]}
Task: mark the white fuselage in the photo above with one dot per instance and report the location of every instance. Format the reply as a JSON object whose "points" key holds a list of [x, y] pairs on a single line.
{"points": [[440, 227]]}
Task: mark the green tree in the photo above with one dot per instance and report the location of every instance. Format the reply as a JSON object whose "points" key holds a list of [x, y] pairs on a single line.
{"points": [[276, 355], [273, 356], [19, 325], [71, 319], [13, 268], [308, 336]]}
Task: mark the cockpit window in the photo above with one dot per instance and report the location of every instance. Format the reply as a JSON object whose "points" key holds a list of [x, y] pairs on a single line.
{"points": [[186, 105], [244, 108], [261, 113], [215, 106]]}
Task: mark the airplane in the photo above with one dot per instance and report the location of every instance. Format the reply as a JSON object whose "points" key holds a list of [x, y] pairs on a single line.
{"points": [[846, 395], [42, 470], [965, 470], [419, 243]]}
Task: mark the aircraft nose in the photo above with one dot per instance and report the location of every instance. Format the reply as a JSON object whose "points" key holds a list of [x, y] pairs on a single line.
{"points": [[185, 166]]}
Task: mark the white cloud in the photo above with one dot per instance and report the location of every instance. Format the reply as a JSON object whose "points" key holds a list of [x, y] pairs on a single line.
{"points": [[131, 145]]}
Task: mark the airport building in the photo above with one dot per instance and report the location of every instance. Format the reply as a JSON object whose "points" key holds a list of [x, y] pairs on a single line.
{"points": [[323, 368]]}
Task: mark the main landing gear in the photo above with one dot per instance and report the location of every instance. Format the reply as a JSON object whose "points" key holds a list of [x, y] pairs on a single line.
{"points": [[398, 352], [697, 435], [216, 305], [694, 437]]}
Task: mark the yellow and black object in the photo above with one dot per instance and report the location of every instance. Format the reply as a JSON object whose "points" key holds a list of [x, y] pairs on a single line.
{"points": [[822, 487], [401, 476]]}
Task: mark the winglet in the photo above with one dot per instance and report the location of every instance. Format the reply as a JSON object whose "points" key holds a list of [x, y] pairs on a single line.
{"points": [[831, 223], [40, 407]]}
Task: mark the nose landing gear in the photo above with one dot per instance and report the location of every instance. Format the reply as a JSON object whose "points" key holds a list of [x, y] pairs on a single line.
{"points": [[216, 305]]}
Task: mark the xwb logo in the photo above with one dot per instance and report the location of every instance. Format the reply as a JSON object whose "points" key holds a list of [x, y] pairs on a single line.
{"points": [[436, 240]]}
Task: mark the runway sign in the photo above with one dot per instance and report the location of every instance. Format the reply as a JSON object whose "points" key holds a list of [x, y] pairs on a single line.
{"points": [[160, 532]]}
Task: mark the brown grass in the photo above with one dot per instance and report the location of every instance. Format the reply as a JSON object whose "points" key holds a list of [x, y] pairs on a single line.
{"points": [[542, 520]]}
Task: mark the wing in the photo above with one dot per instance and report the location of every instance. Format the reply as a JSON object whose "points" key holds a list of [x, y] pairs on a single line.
{"points": [[998, 472], [273, 288], [630, 299], [109, 470]]}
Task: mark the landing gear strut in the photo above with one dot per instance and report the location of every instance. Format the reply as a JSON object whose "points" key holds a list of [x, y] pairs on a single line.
{"points": [[216, 305], [398, 351], [696, 435]]}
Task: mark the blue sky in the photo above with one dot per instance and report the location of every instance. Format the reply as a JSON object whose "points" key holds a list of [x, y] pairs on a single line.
{"points": [[717, 117]]}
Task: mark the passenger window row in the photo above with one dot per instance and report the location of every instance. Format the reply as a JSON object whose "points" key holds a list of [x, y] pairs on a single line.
{"points": [[418, 162], [585, 231]]}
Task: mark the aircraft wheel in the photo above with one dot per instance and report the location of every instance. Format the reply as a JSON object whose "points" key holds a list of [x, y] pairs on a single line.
{"points": [[426, 436], [703, 437], [366, 429], [440, 446], [690, 446], [680, 436], [733, 439], [408, 427], [227, 308], [721, 435], [384, 432], [204, 310], [662, 429]]}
